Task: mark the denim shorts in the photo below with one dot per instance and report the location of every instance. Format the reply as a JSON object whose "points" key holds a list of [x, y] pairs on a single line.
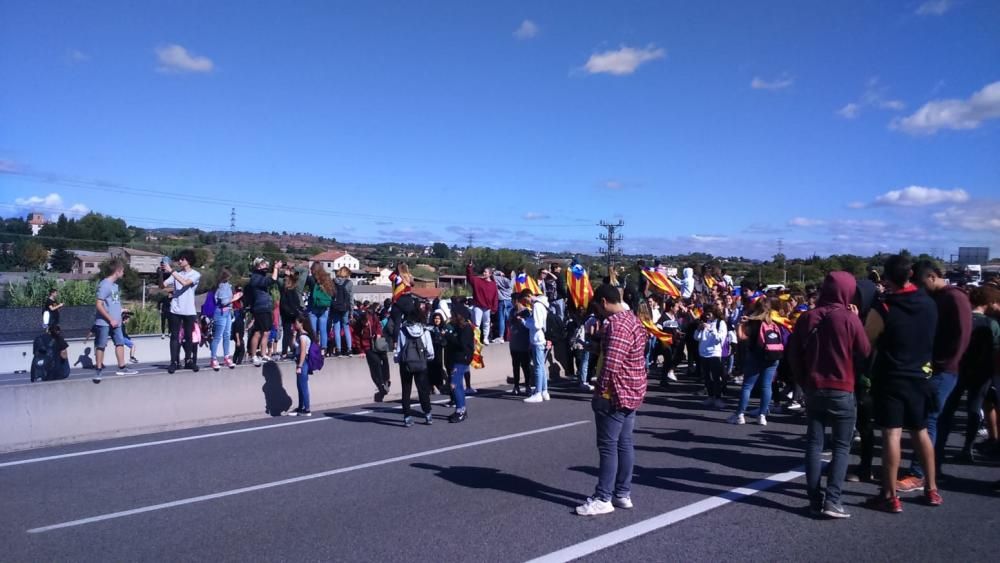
{"points": [[101, 334]]}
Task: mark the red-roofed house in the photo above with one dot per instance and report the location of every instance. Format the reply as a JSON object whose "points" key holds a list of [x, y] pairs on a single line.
{"points": [[333, 260], [37, 221]]}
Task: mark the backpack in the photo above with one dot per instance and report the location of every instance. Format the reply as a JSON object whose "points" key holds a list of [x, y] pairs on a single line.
{"points": [[43, 362], [770, 340], [342, 300], [320, 298], [314, 358], [414, 355]]}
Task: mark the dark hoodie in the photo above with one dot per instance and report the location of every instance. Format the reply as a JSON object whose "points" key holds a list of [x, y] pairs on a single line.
{"points": [[906, 341], [826, 340]]}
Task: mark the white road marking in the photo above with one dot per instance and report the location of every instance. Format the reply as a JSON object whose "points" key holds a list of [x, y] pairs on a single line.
{"points": [[627, 533], [283, 482]]}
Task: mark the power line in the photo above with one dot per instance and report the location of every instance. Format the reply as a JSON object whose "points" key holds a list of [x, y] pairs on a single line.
{"points": [[612, 249]]}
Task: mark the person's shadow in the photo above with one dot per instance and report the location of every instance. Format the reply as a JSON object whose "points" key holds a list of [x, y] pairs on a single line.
{"points": [[276, 399], [490, 478], [84, 360]]}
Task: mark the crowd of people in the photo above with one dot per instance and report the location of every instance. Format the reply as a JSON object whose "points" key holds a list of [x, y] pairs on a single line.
{"points": [[895, 351]]}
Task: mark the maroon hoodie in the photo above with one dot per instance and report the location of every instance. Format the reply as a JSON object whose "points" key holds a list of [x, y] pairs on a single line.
{"points": [[826, 340], [484, 292]]}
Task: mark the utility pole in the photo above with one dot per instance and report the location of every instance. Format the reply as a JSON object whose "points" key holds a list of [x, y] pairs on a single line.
{"points": [[781, 252], [470, 237], [611, 250], [232, 223]]}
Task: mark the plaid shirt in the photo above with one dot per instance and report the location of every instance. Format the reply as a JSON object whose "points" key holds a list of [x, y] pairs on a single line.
{"points": [[623, 378]]}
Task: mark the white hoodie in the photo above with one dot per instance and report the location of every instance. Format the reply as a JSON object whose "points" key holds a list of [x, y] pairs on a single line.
{"points": [[687, 283], [536, 322], [710, 339]]}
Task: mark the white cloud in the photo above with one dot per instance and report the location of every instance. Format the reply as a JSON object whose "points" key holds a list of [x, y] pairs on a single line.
{"points": [[953, 113], [805, 222], [77, 56], [7, 166], [623, 61], [917, 196], [708, 238], [527, 30], [857, 205], [614, 185], [983, 216], [51, 204], [850, 111], [934, 7], [780, 83], [534, 216], [894, 105], [177, 59]]}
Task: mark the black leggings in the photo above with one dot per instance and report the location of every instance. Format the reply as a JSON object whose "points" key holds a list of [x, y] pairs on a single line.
{"points": [[176, 322], [164, 322], [423, 389], [714, 376], [521, 362], [378, 367], [286, 337]]}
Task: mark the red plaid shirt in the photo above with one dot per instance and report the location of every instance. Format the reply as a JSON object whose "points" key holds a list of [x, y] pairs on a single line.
{"points": [[623, 378]]}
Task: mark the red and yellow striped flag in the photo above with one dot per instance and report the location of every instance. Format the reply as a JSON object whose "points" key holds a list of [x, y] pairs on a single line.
{"points": [[662, 283], [578, 284], [785, 322], [524, 281], [399, 287], [477, 353], [665, 337], [710, 281]]}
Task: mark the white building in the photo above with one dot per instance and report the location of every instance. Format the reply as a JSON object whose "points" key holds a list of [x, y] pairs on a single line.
{"points": [[333, 260], [37, 221]]}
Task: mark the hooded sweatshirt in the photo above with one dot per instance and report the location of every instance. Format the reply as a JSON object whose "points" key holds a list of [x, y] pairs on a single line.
{"points": [[411, 331], [687, 283], [905, 339], [484, 292], [826, 340], [537, 321], [504, 286]]}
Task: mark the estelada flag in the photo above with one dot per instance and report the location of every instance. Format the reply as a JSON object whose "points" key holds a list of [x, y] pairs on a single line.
{"points": [[661, 335], [399, 287], [662, 283], [785, 322], [524, 281], [578, 284], [477, 352]]}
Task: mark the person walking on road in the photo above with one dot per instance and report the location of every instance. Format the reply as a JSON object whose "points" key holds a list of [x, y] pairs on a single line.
{"points": [[375, 347], [711, 335], [414, 351], [461, 347], [822, 352], [902, 328], [108, 321], [621, 388], [183, 284]]}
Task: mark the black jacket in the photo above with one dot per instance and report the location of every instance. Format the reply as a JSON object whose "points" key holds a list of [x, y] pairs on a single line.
{"points": [[461, 345], [906, 344], [290, 305]]}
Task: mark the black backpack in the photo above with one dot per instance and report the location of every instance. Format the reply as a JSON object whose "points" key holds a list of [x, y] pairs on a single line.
{"points": [[413, 355], [44, 360], [341, 300]]}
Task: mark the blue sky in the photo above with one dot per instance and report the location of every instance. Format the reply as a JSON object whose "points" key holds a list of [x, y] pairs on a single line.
{"points": [[717, 126]]}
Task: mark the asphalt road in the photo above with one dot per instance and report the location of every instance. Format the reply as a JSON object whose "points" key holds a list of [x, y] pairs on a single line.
{"points": [[358, 486]]}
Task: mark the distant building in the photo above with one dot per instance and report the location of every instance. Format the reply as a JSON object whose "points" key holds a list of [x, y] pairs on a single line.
{"points": [[452, 281], [142, 261], [333, 260], [88, 262], [37, 221]]}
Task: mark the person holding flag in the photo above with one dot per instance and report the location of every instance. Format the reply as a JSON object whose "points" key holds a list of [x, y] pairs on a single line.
{"points": [[523, 281], [578, 285]]}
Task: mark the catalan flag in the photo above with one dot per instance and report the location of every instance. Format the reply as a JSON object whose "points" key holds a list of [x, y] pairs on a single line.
{"points": [[578, 284], [662, 283], [477, 353], [710, 281], [785, 322], [523, 281], [399, 287], [663, 336], [696, 311]]}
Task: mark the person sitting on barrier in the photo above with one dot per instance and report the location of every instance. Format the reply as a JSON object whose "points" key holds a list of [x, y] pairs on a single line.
{"points": [[50, 359]]}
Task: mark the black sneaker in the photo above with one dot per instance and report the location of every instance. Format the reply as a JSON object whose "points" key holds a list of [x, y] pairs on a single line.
{"points": [[194, 367], [832, 510], [458, 417], [172, 367], [379, 396]]}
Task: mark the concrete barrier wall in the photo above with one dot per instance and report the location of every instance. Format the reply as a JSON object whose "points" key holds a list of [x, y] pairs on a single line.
{"points": [[62, 412], [16, 356]]}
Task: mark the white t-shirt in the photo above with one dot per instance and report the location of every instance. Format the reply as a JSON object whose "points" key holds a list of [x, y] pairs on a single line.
{"points": [[182, 302]]}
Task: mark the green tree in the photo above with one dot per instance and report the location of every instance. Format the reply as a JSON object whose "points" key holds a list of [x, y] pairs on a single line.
{"points": [[30, 255], [130, 283], [62, 260], [441, 250]]}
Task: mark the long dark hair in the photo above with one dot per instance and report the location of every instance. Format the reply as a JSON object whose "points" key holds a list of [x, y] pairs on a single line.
{"points": [[303, 320], [224, 276]]}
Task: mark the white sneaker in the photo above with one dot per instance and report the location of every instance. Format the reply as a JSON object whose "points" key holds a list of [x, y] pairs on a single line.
{"points": [[536, 398], [256, 361], [737, 419], [622, 502], [545, 396], [762, 420], [126, 371], [586, 387], [671, 375], [595, 507], [794, 406]]}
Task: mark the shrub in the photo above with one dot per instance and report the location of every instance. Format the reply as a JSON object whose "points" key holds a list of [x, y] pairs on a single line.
{"points": [[33, 291], [144, 320]]}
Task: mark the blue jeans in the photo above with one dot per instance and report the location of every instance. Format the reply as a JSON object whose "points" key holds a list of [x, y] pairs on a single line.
{"points": [[317, 318], [584, 367], [458, 384], [615, 446], [753, 369], [502, 313], [942, 384], [558, 308], [541, 378], [222, 325], [302, 383], [342, 321], [836, 408]]}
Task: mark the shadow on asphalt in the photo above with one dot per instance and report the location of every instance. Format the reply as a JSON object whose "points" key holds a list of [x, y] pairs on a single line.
{"points": [[490, 478]]}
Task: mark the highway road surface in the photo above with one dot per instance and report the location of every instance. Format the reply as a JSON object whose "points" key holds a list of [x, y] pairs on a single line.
{"points": [[355, 485]]}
